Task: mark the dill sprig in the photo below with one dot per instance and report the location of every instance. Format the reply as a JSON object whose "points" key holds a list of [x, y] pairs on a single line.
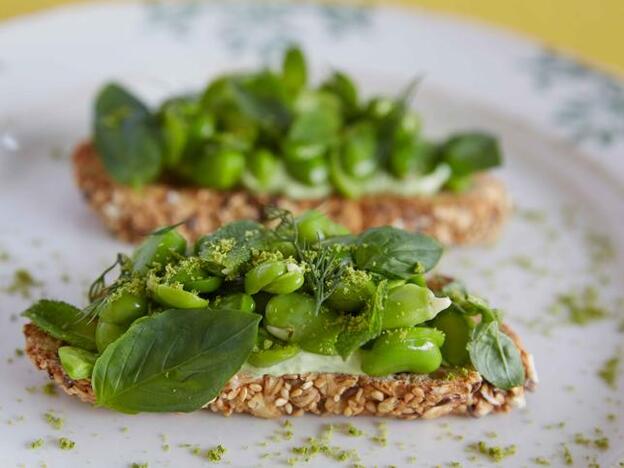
{"points": [[325, 269], [98, 288], [324, 265]]}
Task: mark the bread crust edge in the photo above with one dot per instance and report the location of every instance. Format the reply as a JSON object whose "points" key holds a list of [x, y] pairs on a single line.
{"points": [[473, 217], [404, 396]]}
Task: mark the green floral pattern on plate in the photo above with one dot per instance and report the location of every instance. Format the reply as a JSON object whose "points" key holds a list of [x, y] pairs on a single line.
{"points": [[260, 28], [589, 105]]}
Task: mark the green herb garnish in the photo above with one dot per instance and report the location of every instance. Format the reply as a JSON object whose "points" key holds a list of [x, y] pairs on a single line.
{"points": [[272, 132]]}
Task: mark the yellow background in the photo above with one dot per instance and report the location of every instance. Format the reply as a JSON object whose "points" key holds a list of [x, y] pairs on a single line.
{"points": [[591, 29]]}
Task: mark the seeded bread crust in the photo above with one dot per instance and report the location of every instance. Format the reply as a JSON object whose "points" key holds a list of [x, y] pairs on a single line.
{"points": [[473, 217], [404, 396]]}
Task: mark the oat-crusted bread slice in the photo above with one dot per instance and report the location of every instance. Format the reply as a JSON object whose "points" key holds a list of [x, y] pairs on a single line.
{"points": [[475, 216], [404, 396]]}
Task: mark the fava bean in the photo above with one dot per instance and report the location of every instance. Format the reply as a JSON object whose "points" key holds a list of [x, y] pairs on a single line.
{"points": [[408, 305], [311, 171], [457, 328], [354, 290], [264, 166], [277, 277], [358, 153], [219, 168], [287, 316], [321, 333], [122, 308], [237, 301], [415, 350], [158, 249], [176, 297], [77, 362], [206, 285], [314, 226], [270, 351], [106, 333]]}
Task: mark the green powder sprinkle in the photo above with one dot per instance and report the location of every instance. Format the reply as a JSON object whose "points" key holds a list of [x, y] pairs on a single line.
{"points": [[49, 389], [609, 372], [494, 453], [567, 455], [602, 443], [601, 248], [35, 444], [54, 421], [22, 283], [382, 434], [215, 455], [139, 465], [541, 461], [582, 307], [66, 444]]}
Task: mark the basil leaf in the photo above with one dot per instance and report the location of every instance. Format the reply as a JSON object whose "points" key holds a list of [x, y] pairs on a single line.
{"points": [[227, 249], [360, 329], [396, 253], [177, 360], [64, 322], [342, 86], [126, 137], [262, 98], [467, 153], [496, 357], [294, 70]]}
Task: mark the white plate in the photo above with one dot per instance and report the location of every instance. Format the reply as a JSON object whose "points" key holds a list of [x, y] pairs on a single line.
{"points": [[562, 128]]}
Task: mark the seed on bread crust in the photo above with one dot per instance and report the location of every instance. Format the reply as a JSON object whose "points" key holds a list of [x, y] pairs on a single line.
{"points": [[403, 396], [472, 217]]}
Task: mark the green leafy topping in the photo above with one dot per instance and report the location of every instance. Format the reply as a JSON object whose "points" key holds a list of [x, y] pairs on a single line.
{"points": [[361, 328], [64, 322], [189, 353], [271, 131], [227, 249], [496, 357], [396, 253], [126, 137]]}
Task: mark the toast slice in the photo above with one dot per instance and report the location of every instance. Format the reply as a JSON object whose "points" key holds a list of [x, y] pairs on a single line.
{"points": [[403, 396], [473, 217]]}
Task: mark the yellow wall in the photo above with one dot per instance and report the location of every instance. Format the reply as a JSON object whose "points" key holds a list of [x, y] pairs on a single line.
{"points": [[591, 29]]}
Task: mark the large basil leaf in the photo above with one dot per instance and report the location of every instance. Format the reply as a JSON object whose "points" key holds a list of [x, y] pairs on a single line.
{"points": [[495, 356], [466, 153], [177, 360], [396, 253], [126, 137], [227, 249], [64, 322], [360, 329]]}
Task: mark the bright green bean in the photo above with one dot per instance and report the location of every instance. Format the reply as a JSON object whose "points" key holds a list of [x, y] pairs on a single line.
{"points": [[415, 350], [77, 362], [287, 316], [158, 249]]}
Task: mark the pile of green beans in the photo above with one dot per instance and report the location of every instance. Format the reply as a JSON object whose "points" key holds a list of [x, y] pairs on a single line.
{"points": [[273, 132], [392, 321]]}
